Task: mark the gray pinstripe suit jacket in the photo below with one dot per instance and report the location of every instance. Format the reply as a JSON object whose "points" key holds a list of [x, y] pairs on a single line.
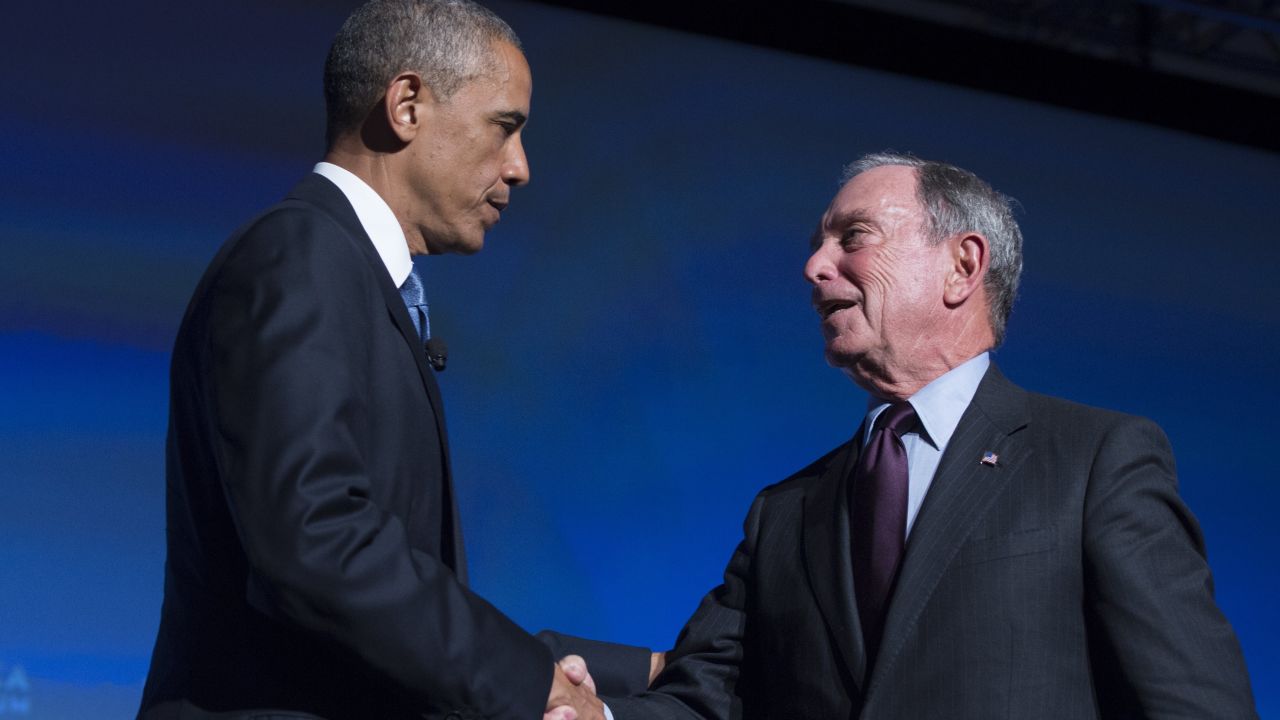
{"points": [[1066, 581]]}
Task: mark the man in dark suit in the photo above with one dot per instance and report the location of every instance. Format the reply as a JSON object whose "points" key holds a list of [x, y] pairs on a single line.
{"points": [[976, 550], [315, 564]]}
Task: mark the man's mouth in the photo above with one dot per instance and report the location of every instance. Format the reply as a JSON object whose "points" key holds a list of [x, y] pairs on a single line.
{"points": [[827, 308], [498, 206]]}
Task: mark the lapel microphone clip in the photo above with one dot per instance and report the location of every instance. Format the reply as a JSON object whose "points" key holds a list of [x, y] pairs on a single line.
{"points": [[437, 353]]}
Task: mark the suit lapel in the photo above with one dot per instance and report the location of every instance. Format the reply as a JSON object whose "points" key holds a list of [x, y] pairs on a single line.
{"points": [[962, 491], [319, 191], [400, 316], [828, 558], [452, 549]]}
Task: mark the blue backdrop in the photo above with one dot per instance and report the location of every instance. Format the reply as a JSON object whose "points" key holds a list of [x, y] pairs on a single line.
{"points": [[631, 357]]}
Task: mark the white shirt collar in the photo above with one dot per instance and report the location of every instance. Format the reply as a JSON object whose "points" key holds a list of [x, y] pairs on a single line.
{"points": [[941, 403], [375, 217]]}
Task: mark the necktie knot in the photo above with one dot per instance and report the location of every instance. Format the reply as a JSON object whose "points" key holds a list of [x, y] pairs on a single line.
{"points": [[897, 418], [412, 289]]}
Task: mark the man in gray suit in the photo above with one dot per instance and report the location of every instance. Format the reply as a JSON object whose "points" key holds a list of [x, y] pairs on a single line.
{"points": [[976, 550]]}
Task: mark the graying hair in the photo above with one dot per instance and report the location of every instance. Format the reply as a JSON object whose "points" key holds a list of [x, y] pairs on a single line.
{"points": [[447, 42], [957, 201]]}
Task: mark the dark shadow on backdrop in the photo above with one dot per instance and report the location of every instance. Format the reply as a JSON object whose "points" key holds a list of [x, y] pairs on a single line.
{"points": [[894, 43]]}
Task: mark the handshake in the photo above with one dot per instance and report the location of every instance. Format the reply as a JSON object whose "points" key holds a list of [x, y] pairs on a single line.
{"points": [[573, 692]]}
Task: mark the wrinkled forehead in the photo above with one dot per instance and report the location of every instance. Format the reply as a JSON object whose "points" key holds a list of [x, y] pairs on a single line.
{"points": [[500, 65], [506, 61], [882, 196]]}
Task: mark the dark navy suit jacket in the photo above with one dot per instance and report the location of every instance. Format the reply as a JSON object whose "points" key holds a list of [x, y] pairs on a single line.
{"points": [[315, 561]]}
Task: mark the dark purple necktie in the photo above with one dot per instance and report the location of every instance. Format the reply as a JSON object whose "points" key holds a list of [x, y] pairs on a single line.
{"points": [[878, 518]]}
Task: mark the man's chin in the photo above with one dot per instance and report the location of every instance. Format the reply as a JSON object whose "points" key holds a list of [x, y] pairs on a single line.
{"points": [[839, 355], [474, 243], [457, 246], [842, 357]]}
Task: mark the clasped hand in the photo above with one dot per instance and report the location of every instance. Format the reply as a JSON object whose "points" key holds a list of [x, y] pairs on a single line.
{"points": [[573, 692]]}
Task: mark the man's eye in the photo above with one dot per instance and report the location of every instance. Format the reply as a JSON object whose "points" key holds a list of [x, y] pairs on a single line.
{"points": [[851, 239]]}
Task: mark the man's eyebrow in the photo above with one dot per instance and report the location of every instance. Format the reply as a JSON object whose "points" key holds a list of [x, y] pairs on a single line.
{"points": [[850, 217], [839, 223]]}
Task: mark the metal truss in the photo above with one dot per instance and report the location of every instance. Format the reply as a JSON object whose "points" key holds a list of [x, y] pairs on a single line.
{"points": [[1228, 42]]}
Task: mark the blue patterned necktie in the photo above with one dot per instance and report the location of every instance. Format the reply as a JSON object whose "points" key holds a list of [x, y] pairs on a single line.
{"points": [[415, 299]]}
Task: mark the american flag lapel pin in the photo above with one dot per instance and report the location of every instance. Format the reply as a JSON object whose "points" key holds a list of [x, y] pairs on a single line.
{"points": [[989, 458]]}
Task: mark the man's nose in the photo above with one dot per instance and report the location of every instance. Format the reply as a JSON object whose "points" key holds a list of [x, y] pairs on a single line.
{"points": [[515, 166], [819, 268]]}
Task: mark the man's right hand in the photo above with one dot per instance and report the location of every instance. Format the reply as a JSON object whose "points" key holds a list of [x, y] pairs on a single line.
{"points": [[657, 661], [572, 694]]}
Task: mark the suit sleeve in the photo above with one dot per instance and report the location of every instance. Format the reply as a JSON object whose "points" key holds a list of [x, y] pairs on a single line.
{"points": [[618, 670], [700, 679], [288, 371], [1150, 593]]}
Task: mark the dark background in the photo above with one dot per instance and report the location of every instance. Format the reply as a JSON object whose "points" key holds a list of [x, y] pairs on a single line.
{"points": [[633, 355]]}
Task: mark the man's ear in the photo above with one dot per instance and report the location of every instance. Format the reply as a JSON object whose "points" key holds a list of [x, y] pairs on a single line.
{"points": [[406, 105], [970, 258]]}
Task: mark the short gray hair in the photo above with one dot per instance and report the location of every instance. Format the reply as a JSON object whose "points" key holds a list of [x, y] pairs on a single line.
{"points": [[445, 41], [957, 201]]}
